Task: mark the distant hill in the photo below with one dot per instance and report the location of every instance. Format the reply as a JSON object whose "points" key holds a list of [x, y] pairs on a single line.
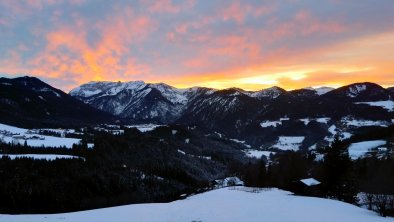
{"points": [[28, 101]]}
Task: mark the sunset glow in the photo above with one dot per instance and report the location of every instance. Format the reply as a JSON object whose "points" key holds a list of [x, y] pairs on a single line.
{"points": [[249, 44]]}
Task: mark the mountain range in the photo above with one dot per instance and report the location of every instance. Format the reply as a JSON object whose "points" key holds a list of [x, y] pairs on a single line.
{"points": [[260, 118]]}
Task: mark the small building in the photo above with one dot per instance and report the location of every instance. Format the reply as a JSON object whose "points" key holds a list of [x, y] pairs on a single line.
{"points": [[228, 182], [307, 187], [36, 137], [18, 140]]}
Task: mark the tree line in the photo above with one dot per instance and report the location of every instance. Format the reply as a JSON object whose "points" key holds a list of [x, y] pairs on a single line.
{"points": [[368, 181]]}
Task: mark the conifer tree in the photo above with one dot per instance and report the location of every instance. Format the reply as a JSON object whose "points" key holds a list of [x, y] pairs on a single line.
{"points": [[339, 178]]}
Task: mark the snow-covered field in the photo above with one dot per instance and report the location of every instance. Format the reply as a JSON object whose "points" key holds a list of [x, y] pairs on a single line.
{"points": [[388, 105], [323, 120], [360, 123], [11, 134], [241, 142], [144, 127], [268, 123], [336, 132], [113, 129], [274, 123], [40, 156], [289, 142], [226, 204], [258, 153], [357, 150]]}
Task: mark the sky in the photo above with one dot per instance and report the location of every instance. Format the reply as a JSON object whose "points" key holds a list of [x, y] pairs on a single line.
{"points": [[250, 44]]}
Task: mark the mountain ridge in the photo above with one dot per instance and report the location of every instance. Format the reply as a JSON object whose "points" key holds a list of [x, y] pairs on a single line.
{"points": [[239, 113], [119, 98], [257, 117], [28, 101], [317, 88]]}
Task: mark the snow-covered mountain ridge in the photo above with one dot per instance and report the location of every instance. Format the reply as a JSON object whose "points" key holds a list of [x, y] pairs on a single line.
{"points": [[241, 114], [103, 88], [248, 115], [158, 102]]}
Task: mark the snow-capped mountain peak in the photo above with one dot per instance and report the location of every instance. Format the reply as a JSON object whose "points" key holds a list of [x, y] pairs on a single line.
{"points": [[272, 92], [105, 88], [176, 96], [322, 90]]}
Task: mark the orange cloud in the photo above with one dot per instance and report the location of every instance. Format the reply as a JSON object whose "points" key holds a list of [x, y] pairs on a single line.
{"points": [[236, 44], [68, 54], [361, 59]]}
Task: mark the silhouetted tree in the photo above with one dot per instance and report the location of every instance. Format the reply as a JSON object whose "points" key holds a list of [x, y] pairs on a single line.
{"points": [[339, 178]]}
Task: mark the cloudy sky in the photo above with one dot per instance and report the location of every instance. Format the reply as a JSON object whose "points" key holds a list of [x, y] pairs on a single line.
{"points": [[251, 44]]}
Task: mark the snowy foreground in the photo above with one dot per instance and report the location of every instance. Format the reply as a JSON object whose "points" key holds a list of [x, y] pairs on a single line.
{"points": [[227, 204]]}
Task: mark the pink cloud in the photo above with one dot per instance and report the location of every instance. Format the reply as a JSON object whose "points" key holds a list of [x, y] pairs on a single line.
{"points": [[181, 28], [171, 36], [302, 24], [164, 6], [238, 10], [19, 10], [235, 10], [167, 6], [26, 7], [3, 22]]}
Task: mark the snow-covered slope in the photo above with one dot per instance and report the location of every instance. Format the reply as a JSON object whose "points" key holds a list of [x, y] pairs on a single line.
{"points": [[104, 88], [227, 204], [362, 92], [358, 150], [289, 143], [355, 90], [322, 90], [388, 105], [15, 135]]}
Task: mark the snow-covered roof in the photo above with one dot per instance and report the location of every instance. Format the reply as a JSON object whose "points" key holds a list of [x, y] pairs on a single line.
{"points": [[310, 182]]}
